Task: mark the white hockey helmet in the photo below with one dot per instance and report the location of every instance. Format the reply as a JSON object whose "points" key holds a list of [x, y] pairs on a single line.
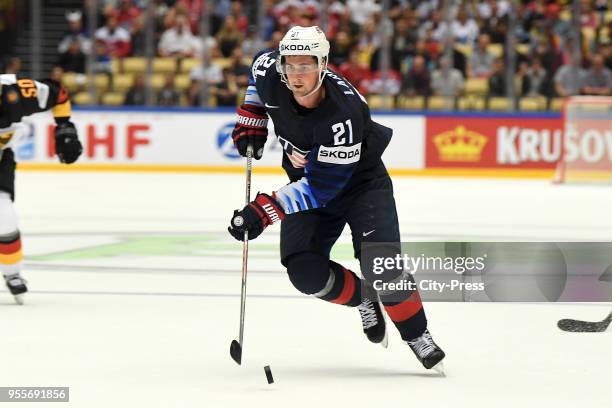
{"points": [[304, 41]]}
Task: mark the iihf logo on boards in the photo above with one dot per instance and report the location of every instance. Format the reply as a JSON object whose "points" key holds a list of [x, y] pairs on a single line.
{"points": [[225, 144]]}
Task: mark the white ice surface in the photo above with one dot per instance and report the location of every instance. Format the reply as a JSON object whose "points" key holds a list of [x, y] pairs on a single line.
{"points": [[151, 330]]}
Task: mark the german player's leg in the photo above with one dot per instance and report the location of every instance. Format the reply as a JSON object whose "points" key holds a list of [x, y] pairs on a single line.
{"points": [[372, 217], [10, 240]]}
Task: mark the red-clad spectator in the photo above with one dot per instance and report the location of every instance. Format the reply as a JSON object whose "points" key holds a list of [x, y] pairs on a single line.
{"points": [[377, 85], [242, 21], [125, 13], [355, 71], [116, 39], [193, 10]]}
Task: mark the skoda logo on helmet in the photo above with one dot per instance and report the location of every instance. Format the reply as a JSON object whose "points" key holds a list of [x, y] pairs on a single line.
{"points": [[295, 47]]}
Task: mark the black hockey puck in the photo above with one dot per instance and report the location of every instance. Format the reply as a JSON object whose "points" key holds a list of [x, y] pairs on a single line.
{"points": [[269, 374]]}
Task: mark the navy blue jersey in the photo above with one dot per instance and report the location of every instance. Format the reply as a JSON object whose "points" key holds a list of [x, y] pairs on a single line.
{"points": [[325, 147]]}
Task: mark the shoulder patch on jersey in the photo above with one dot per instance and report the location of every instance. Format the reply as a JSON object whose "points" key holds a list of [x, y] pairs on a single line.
{"points": [[261, 65], [339, 154]]}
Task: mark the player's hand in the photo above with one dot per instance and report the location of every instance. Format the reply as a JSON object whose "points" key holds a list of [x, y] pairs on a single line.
{"points": [[255, 217], [67, 144], [251, 128]]}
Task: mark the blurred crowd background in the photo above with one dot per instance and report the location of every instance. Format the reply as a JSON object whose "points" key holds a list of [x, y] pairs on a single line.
{"points": [[498, 55]]}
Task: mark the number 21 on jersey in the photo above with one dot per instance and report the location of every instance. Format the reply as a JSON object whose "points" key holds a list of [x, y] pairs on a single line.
{"points": [[340, 131]]}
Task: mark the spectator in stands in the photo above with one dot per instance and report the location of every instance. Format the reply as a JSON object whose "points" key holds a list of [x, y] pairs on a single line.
{"points": [[377, 85], [227, 90], [242, 21], [116, 39], [103, 63], [178, 41], [229, 37], [252, 43], [436, 24], [432, 45], [126, 12], [481, 61], [492, 9], [75, 33], [355, 71], [139, 37], [363, 10], [277, 36], [420, 49], [464, 29], [212, 75], [340, 48], [459, 59], [568, 80], [12, 65], [168, 95], [418, 80], [550, 56], [598, 79], [340, 20], [497, 79], [57, 73], [450, 85], [606, 53], [240, 70], [537, 79], [136, 95], [369, 42], [403, 41], [73, 60]]}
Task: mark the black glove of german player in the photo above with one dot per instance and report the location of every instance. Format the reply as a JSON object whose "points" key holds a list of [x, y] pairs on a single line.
{"points": [[255, 217], [67, 144], [251, 129]]}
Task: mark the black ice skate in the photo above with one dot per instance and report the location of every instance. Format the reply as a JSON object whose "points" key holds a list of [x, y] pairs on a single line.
{"points": [[428, 352], [373, 320], [17, 285]]}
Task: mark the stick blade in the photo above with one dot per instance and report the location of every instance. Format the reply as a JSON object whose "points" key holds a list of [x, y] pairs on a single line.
{"points": [[236, 352], [579, 326]]}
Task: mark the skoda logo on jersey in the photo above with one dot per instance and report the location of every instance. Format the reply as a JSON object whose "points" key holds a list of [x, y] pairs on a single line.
{"points": [[225, 144]]}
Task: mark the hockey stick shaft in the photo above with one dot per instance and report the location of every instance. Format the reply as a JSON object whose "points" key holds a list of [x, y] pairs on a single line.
{"points": [[245, 244]]}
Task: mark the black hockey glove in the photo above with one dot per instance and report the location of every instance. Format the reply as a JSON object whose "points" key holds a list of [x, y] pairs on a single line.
{"points": [[251, 128], [255, 217], [67, 144]]}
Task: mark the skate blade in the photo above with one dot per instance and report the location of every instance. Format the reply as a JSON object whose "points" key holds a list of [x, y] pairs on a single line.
{"points": [[385, 341], [19, 299], [439, 368]]}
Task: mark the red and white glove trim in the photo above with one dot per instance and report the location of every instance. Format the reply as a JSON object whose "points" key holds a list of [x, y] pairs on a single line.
{"points": [[268, 209], [250, 119]]}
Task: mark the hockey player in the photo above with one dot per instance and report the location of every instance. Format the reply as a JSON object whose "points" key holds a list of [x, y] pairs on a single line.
{"points": [[333, 159], [21, 97]]}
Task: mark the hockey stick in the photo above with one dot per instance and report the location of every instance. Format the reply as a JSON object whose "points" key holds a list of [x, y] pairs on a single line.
{"points": [[236, 346], [580, 326]]}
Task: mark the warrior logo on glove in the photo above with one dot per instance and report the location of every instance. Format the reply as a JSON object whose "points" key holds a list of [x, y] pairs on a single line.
{"points": [[255, 217], [251, 129]]}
